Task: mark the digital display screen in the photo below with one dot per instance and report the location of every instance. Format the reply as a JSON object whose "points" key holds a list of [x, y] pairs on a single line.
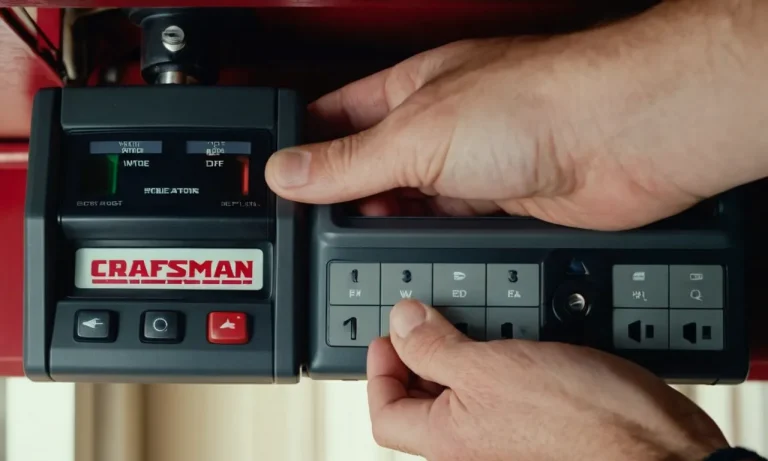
{"points": [[188, 173]]}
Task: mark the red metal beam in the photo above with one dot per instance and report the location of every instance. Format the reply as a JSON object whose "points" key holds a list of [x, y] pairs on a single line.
{"points": [[759, 365], [12, 186], [22, 73], [13, 155]]}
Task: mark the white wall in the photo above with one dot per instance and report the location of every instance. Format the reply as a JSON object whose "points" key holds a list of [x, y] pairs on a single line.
{"points": [[313, 421], [740, 411], [2, 419], [39, 424]]}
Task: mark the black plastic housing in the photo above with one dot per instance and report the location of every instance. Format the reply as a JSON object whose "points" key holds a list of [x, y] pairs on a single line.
{"points": [[288, 318], [57, 225], [711, 234]]}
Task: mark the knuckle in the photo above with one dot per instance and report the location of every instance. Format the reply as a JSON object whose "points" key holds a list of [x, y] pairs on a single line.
{"points": [[419, 140], [339, 155], [433, 166], [443, 352], [428, 351], [402, 81]]}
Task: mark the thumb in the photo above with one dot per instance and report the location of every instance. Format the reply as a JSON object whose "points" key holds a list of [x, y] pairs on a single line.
{"points": [[426, 342], [379, 159], [389, 151]]}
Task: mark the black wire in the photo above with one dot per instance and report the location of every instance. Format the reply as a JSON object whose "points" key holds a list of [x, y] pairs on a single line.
{"points": [[39, 31], [30, 40]]}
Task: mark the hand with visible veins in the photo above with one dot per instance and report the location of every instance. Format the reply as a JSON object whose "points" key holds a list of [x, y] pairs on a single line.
{"points": [[433, 392], [610, 128]]}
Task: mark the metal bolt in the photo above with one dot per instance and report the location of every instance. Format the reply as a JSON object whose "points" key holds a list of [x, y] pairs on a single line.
{"points": [[171, 78], [173, 38], [577, 303]]}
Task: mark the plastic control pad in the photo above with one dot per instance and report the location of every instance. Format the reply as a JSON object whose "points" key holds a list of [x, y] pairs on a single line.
{"points": [[486, 301], [677, 307], [655, 307]]}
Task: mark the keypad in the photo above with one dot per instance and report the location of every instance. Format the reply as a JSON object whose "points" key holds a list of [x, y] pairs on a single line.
{"points": [[517, 323], [693, 329], [641, 329], [696, 287], [513, 285], [655, 307], [486, 301], [468, 320], [677, 307], [355, 284], [459, 285], [352, 326], [645, 287], [406, 281]]}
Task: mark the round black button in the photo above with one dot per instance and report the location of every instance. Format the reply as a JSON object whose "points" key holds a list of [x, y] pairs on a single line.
{"points": [[573, 301], [577, 303], [162, 327]]}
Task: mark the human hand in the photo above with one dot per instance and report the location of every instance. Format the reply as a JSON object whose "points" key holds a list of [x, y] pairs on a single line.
{"points": [[521, 400], [610, 128]]}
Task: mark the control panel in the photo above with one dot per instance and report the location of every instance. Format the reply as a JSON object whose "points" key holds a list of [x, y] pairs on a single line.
{"points": [[154, 249], [669, 297], [155, 252]]}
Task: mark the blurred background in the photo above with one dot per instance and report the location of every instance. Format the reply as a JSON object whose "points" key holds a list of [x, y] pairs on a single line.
{"points": [[315, 421]]}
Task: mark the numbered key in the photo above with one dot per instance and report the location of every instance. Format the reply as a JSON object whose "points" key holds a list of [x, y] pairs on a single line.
{"points": [[352, 326], [354, 284]]}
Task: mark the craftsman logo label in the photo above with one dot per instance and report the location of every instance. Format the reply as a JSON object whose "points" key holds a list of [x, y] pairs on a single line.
{"points": [[170, 269]]}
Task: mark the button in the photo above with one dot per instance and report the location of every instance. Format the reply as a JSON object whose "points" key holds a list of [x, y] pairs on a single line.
{"points": [[513, 285], [227, 328], [512, 323], [459, 285], [384, 321], [404, 281], [94, 326], [352, 326], [696, 287], [468, 320], [641, 286], [640, 329], [161, 326], [354, 283], [696, 329]]}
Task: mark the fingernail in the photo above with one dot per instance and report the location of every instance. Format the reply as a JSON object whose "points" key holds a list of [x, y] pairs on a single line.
{"points": [[406, 316], [291, 168]]}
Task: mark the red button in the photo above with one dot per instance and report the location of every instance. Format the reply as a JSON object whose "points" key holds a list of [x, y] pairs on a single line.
{"points": [[227, 328]]}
